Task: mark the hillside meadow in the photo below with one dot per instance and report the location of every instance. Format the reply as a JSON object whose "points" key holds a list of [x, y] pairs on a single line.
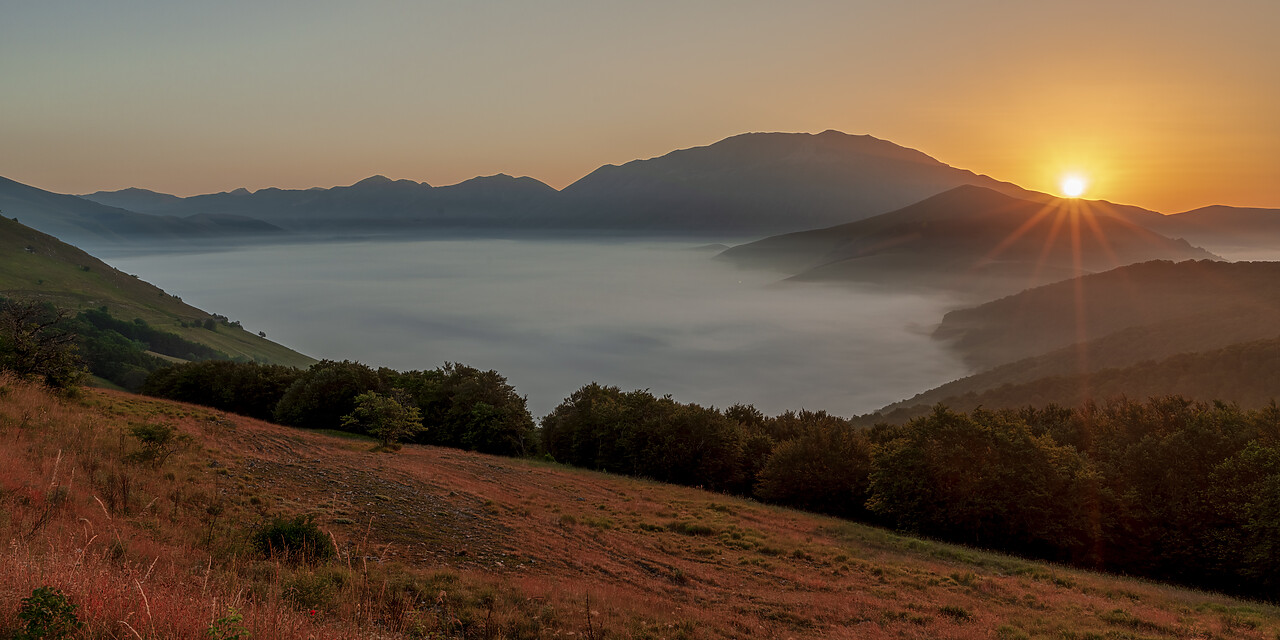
{"points": [[439, 543], [37, 266]]}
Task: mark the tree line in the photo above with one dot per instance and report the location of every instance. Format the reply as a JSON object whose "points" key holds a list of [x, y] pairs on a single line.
{"points": [[1168, 488], [1171, 489], [460, 406]]}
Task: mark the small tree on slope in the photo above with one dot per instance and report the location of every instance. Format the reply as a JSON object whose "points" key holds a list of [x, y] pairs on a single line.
{"points": [[385, 418]]}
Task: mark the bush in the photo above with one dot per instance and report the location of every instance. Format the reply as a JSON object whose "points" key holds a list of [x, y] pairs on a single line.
{"points": [[47, 614], [159, 441], [297, 539], [228, 627]]}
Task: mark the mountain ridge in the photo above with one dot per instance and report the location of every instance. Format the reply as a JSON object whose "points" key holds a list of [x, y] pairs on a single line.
{"points": [[755, 184], [751, 183]]}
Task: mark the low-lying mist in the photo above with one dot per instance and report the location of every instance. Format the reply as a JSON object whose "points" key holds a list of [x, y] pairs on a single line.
{"points": [[553, 316]]}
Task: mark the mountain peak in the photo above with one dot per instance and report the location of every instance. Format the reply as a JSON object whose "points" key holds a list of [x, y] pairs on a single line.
{"points": [[373, 181]]}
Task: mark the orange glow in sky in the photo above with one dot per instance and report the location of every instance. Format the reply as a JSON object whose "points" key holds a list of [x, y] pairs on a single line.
{"points": [[192, 98]]}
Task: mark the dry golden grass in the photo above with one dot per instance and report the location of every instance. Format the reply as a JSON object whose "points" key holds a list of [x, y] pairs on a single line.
{"points": [[442, 543]]}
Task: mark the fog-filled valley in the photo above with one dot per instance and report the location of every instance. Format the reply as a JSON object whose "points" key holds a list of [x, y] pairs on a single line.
{"points": [[552, 316]]}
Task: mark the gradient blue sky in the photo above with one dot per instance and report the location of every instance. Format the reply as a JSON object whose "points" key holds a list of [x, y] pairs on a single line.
{"points": [[1170, 105]]}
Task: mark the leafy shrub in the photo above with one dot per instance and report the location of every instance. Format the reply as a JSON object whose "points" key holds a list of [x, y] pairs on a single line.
{"points": [[228, 627], [313, 589], [158, 440], [47, 614], [298, 539], [691, 528]]}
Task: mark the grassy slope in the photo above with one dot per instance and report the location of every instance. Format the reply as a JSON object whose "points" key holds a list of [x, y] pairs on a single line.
{"points": [[54, 271], [437, 540]]}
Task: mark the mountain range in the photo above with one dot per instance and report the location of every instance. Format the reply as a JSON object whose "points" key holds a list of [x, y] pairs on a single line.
{"points": [[749, 185]]}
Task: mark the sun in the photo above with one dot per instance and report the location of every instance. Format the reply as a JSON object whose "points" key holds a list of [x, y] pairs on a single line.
{"points": [[1073, 185]]}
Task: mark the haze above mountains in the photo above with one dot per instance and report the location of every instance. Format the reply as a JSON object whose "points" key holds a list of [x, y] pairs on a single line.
{"points": [[753, 184]]}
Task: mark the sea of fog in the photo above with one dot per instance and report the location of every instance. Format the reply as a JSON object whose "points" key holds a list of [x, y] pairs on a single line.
{"points": [[554, 315]]}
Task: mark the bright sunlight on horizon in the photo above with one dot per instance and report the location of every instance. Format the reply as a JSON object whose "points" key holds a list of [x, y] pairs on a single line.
{"points": [[1073, 185]]}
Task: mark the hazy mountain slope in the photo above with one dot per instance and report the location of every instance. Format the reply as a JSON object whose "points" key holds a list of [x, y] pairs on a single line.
{"points": [[1205, 331], [82, 221], [34, 264], [429, 538], [1243, 373], [1228, 227], [134, 199], [1170, 308], [968, 239]]}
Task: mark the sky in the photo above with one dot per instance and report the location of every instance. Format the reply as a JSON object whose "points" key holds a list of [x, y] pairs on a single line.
{"points": [[1170, 104]]}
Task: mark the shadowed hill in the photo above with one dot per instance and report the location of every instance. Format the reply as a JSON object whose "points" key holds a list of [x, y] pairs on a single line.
{"points": [[1143, 311], [37, 265], [969, 239]]}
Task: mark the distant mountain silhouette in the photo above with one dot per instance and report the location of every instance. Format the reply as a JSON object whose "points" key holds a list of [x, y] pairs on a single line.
{"points": [[969, 239], [765, 183], [1228, 227], [134, 199], [375, 202], [755, 183], [81, 221]]}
